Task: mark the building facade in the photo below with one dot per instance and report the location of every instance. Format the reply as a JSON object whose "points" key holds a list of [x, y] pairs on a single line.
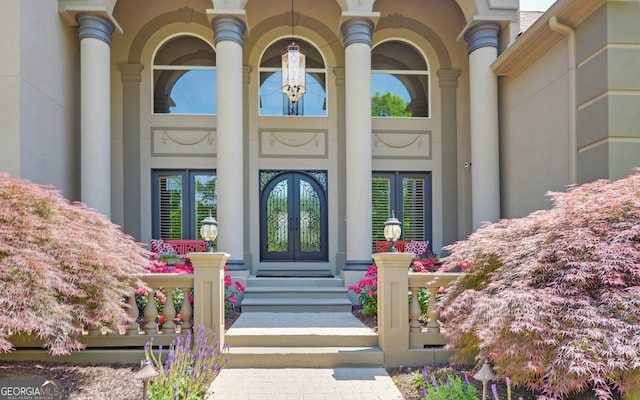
{"points": [[156, 112]]}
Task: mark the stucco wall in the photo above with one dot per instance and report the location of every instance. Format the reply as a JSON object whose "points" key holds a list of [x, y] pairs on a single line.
{"points": [[608, 92], [9, 87], [49, 86], [534, 139]]}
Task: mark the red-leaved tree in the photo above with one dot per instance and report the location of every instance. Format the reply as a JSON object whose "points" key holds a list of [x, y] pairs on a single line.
{"points": [[62, 266], [553, 299]]}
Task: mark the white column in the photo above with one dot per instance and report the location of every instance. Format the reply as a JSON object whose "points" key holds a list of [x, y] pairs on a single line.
{"points": [[483, 87], [95, 110], [357, 43], [228, 34]]}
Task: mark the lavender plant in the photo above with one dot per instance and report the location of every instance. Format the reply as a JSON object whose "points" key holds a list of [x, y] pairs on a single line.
{"points": [[188, 370]]}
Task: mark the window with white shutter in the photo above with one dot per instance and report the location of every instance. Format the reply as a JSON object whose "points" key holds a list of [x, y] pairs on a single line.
{"points": [[181, 199], [408, 195]]}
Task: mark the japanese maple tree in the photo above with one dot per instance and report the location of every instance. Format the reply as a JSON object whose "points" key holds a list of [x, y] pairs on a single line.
{"points": [[62, 266], [553, 299]]}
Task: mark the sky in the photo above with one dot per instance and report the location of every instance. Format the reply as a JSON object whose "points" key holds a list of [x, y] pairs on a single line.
{"points": [[535, 5]]}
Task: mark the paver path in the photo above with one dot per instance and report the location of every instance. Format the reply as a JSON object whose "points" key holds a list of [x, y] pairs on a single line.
{"points": [[304, 384]]}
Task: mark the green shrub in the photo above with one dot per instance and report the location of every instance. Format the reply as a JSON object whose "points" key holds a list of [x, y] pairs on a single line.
{"points": [[447, 388]]}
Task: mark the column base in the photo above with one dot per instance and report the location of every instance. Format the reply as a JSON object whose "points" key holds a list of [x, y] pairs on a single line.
{"points": [[357, 265], [236, 265]]}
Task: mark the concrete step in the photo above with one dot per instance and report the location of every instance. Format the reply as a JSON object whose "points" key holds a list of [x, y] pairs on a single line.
{"points": [[296, 305], [295, 292], [308, 357], [254, 281], [275, 272], [301, 340]]}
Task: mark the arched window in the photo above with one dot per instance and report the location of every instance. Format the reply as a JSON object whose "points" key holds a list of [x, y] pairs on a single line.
{"points": [[272, 101], [399, 81], [184, 77]]}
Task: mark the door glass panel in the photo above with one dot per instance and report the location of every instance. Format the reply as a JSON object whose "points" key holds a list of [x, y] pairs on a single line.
{"points": [[413, 208], [310, 218], [278, 218], [205, 200], [381, 207], [170, 206]]}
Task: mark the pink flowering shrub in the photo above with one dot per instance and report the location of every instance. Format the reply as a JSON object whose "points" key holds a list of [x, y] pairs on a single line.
{"points": [[231, 290], [553, 299], [427, 262], [63, 266], [160, 266], [367, 291]]}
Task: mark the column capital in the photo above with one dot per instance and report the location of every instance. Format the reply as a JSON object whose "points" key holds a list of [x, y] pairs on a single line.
{"points": [[131, 72], [357, 30], [393, 261], [448, 78], [209, 260], [94, 26], [482, 35], [246, 74], [228, 27]]}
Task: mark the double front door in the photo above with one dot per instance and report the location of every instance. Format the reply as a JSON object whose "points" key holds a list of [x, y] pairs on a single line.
{"points": [[293, 216]]}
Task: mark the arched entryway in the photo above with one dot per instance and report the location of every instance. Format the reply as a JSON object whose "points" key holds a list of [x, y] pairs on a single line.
{"points": [[293, 216]]}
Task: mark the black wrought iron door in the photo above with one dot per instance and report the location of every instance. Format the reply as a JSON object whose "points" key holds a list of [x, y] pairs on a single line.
{"points": [[293, 218]]}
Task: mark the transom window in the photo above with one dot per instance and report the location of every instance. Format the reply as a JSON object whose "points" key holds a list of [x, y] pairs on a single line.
{"points": [[273, 101], [184, 77], [181, 199], [399, 81]]}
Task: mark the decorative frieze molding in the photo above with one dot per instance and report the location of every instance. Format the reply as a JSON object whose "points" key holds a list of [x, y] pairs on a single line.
{"points": [[402, 144], [184, 141], [293, 143]]}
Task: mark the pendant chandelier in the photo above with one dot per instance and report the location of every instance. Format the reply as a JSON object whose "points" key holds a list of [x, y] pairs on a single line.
{"points": [[293, 68]]}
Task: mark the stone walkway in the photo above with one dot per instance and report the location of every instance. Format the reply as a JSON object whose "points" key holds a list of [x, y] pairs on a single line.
{"points": [[304, 384]]}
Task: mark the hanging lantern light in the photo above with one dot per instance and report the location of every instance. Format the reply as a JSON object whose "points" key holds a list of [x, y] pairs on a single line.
{"points": [[293, 68], [293, 72]]}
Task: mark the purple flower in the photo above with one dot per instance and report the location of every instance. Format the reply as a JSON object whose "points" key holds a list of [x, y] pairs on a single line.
{"points": [[466, 378], [494, 390], [435, 381]]}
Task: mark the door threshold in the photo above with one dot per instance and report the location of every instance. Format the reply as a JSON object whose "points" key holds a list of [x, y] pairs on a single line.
{"points": [[288, 273]]}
